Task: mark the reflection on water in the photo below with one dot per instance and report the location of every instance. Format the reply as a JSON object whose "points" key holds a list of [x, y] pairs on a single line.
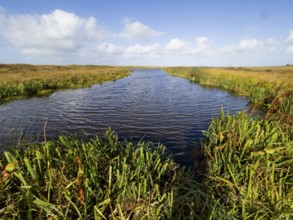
{"points": [[149, 104]]}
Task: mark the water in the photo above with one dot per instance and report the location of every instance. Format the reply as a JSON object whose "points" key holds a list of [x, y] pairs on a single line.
{"points": [[149, 104]]}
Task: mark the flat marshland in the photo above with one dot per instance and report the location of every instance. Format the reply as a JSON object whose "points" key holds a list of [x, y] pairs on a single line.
{"points": [[27, 80], [246, 172]]}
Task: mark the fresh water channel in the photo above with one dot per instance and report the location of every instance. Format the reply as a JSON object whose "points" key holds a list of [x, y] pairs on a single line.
{"points": [[148, 104]]}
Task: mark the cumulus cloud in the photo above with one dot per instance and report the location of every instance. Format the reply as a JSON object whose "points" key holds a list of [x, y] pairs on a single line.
{"points": [[109, 48], [138, 49], [176, 44], [57, 31], [181, 46], [202, 43], [248, 44], [138, 30], [290, 37]]}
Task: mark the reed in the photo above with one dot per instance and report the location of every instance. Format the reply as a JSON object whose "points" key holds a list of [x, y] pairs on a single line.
{"points": [[28, 80]]}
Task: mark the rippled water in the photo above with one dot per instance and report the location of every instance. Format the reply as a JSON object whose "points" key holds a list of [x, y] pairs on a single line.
{"points": [[148, 104]]}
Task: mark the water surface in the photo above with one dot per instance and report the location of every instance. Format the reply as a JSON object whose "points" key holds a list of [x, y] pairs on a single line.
{"points": [[149, 104]]}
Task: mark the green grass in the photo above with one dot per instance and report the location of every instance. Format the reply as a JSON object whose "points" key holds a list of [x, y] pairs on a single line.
{"points": [[247, 172], [249, 177], [270, 88], [251, 166], [28, 80], [99, 179]]}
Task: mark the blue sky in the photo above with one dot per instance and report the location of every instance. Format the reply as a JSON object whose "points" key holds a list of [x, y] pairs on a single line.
{"points": [[153, 32]]}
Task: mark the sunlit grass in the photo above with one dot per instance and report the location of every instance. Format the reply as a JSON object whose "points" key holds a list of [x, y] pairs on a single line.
{"points": [[249, 177], [251, 167], [263, 85], [28, 80], [99, 179]]}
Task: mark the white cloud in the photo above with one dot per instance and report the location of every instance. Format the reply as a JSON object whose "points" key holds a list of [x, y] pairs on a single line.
{"points": [[138, 49], [176, 44], [202, 44], [290, 37], [51, 33], [138, 30], [248, 44], [185, 47], [109, 48]]}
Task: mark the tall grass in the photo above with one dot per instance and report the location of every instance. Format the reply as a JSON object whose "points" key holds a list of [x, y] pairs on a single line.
{"points": [[99, 179], [251, 167], [263, 86], [249, 177], [29, 80], [250, 158]]}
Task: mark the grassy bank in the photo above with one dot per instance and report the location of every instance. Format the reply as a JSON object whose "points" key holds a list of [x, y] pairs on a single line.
{"points": [[270, 88], [250, 158], [99, 179], [249, 177], [28, 80]]}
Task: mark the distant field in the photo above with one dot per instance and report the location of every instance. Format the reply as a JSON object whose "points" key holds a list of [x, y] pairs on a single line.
{"points": [[266, 87], [15, 73], [28, 80]]}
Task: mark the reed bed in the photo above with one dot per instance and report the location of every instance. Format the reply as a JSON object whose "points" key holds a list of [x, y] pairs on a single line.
{"points": [[28, 80]]}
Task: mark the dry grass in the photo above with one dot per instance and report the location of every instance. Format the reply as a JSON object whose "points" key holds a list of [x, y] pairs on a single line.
{"points": [[276, 76], [29, 80], [16, 73]]}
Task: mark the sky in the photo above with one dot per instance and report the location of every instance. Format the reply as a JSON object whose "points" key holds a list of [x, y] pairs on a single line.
{"points": [[150, 32]]}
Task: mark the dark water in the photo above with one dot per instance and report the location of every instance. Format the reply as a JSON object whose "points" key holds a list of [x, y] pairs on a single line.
{"points": [[149, 104]]}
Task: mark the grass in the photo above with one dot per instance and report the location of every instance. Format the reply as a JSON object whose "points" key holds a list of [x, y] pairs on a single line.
{"points": [[267, 87], [29, 80], [249, 177], [251, 167], [250, 158], [99, 179], [245, 172]]}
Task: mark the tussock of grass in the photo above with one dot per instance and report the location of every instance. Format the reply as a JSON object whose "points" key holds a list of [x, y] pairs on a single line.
{"points": [[251, 167], [29, 80], [249, 177], [100, 179]]}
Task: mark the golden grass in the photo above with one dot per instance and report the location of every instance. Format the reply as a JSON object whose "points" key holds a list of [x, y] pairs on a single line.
{"points": [[16, 73], [276, 76]]}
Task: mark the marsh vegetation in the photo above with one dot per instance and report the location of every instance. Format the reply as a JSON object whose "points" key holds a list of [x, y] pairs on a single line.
{"points": [[248, 174], [29, 80]]}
